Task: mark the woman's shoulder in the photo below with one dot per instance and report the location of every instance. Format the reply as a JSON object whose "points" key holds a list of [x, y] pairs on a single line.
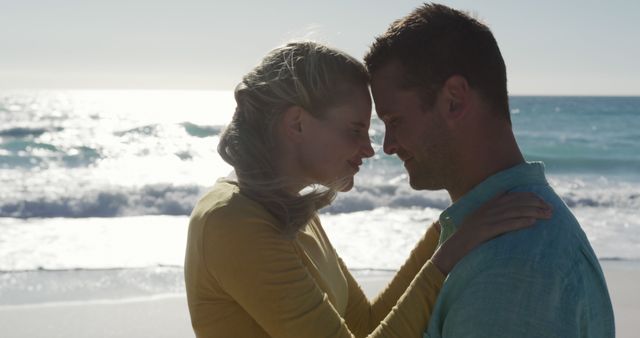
{"points": [[224, 206], [224, 194]]}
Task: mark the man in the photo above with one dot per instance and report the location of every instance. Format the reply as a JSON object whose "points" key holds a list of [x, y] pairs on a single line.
{"points": [[439, 84]]}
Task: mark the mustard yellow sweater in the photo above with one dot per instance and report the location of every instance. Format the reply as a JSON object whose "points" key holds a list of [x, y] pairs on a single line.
{"points": [[244, 279]]}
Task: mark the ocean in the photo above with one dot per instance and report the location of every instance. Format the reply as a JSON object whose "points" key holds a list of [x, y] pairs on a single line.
{"points": [[97, 187]]}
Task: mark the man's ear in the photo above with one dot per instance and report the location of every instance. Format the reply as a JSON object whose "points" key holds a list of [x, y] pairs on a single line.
{"points": [[455, 96], [292, 122]]}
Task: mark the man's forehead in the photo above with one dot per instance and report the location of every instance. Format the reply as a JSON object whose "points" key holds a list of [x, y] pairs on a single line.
{"points": [[384, 106], [386, 90], [390, 74], [386, 83]]}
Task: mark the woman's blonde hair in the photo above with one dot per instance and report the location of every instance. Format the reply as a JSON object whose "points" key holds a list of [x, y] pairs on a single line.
{"points": [[304, 74]]}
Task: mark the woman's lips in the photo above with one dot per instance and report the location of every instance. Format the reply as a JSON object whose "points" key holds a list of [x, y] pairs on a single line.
{"points": [[355, 165]]}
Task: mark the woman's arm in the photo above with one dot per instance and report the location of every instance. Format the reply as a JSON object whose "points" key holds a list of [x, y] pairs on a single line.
{"points": [[263, 273], [363, 315]]}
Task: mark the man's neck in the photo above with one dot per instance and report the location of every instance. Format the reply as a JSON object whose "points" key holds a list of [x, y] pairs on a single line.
{"points": [[480, 160]]}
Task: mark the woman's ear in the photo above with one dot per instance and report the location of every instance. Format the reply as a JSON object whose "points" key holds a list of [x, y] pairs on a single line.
{"points": [[292, 122]]}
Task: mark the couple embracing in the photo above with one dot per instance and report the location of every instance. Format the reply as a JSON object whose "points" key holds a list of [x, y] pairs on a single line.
{"points": [[506, 259]]}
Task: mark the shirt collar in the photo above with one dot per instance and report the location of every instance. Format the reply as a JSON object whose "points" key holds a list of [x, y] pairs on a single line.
{"points": [[527, 173]]}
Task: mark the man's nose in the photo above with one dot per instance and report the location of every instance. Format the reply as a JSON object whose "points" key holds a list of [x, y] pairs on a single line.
{"points": [[389, 145]]}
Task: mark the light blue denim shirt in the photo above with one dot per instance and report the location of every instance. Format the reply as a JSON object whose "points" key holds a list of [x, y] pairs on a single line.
{"points": [[542, 281]]}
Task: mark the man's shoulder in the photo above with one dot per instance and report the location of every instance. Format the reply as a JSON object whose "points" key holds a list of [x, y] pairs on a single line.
{"points": [[562, 232], [555, 245], [546, 276]]}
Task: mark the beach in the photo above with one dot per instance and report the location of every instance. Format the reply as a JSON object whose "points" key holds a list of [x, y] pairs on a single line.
{"points": [[167, 315], [111, 115], [97, 188]]}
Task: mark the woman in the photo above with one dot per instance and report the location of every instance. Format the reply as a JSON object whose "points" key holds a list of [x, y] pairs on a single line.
{"points": [[258, 263]]}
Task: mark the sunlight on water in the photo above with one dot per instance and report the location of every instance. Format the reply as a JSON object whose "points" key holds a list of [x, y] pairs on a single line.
{"points": [[87, 175], [153, 106], [63, 152]]}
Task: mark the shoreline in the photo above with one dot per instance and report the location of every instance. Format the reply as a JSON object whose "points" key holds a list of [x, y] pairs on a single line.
{"points": [[166, 315]]}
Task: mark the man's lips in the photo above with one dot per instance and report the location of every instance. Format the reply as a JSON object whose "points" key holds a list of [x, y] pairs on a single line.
{"points": [[404, 157], [407, 159]]}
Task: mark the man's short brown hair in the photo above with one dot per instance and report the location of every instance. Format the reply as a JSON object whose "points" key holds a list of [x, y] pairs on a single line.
{"points": [[433, 43]]}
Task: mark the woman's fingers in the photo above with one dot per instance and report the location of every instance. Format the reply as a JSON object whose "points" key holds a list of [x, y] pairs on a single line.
{"points": [[513, 196], [516, 199], [522, 212], [513, 201], [507, 212], [507, 225]]}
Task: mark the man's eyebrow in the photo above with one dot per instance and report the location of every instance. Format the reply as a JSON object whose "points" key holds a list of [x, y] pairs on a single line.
{"points": [[359, 124], [382, 113], [385, 117]]}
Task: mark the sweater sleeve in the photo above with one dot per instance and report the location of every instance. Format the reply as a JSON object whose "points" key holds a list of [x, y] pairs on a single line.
{"points": [[364, 316], [262, 271]]}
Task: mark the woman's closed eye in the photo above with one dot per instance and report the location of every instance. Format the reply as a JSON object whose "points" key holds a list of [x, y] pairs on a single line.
{"points": [[358, 131]]}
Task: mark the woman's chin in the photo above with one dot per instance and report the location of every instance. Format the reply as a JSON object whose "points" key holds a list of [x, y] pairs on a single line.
{"points": [[345, 184]]}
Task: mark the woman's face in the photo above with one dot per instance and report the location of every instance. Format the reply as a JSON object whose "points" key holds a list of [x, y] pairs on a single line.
{"points": [[334, 146]]}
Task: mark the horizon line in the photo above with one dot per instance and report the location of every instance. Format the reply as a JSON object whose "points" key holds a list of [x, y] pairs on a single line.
{"points": [[231, 90]]}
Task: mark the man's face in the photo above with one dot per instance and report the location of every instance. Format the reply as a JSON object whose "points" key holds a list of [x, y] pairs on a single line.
{"points": [[417, 134]]}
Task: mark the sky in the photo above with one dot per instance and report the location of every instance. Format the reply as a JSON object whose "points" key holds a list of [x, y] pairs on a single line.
{"points": [[550, 47]]}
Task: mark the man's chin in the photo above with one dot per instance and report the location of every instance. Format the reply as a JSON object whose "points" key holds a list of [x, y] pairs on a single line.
{"points": [[414, 181], [417, 183]]}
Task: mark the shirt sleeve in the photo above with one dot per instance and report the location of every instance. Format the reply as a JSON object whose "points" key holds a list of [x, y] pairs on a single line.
{"points": [[514, 298], [262, 272]]}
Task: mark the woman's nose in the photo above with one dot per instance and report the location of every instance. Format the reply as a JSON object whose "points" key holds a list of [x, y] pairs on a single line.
{"points": [[367, 149]]}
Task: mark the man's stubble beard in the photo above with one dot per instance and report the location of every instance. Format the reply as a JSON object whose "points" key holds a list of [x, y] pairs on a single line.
{"points": [[435, 167]]}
